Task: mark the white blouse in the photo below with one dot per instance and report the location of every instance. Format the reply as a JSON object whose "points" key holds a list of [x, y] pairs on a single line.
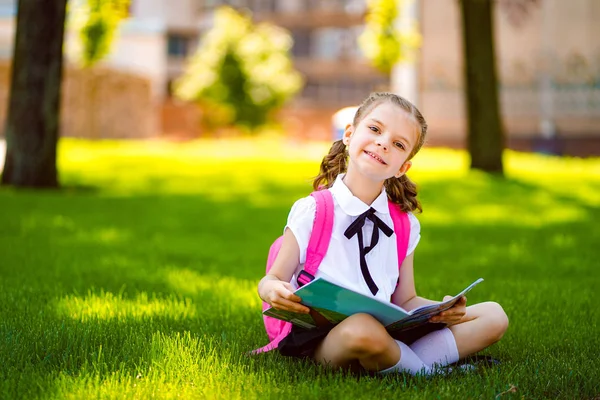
{"points": [[341, 264]]}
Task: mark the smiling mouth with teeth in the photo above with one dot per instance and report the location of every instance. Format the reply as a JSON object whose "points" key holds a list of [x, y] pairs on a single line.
{"points": [[376, 157]]}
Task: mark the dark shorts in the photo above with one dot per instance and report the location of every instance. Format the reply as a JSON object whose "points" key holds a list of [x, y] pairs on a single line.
{"points": [[302, 342]]}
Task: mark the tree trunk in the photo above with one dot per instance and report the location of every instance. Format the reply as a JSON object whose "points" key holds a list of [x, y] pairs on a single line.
{"points": [[485, 131], [34, 106]]}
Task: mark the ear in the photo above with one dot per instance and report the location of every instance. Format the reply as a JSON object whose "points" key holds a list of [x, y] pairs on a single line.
{"points": [[404, 169], [347, 133]]}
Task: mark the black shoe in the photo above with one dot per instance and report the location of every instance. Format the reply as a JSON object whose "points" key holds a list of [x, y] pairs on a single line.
{"points": [[481, 360]]}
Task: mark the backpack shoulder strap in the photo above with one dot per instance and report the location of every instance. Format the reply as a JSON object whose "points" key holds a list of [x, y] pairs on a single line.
{"points": [[319, 237], [315, 252], [401, 229]]}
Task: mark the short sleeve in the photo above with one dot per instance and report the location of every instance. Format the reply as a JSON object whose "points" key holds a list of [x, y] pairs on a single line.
{"points": [[300, 222], [415, 233]]}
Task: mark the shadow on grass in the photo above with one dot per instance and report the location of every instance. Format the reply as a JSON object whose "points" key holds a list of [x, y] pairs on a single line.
{"points": [[128, 274]]}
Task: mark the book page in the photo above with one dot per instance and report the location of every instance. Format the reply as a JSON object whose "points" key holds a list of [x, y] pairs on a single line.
{"points": [[433, 309]]}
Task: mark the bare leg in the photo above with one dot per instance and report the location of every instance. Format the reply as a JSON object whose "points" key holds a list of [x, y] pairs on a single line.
{"points": [[358, 340], [485, 324]]}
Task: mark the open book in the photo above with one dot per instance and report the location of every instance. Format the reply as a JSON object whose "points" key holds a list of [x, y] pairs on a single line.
{"points": [[335, 303]]}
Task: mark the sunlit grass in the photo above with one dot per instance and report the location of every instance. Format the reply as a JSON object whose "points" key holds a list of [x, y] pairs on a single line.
{"points": [[108, 306], [197, 167], [138, 278], [234, 292]]}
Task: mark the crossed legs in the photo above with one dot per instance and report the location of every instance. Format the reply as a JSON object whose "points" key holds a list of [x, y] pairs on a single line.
{"points": [[485, 324], [360, 340]]}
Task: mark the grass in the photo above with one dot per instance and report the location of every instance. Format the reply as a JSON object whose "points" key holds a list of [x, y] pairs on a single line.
{"points": [[138, 278]]}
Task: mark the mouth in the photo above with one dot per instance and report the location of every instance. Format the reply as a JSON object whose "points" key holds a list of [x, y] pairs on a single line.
{"points": [[375, 157]]}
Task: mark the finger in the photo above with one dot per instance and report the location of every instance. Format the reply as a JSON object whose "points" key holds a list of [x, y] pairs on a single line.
{"points": [[456, 310], [447, 321], [286, 294], [284, 304], [439, 317], [293, 297], [287, 305], [454, 317], [447, 316]]}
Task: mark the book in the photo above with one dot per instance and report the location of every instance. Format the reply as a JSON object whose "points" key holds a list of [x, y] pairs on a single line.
{"points": [[335, 303]]}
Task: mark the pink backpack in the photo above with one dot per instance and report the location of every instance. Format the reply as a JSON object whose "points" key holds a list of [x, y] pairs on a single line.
{"points": [[315, 252]]}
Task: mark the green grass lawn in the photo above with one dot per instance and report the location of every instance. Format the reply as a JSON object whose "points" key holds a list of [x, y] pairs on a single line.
{"points": [[138, 278]]}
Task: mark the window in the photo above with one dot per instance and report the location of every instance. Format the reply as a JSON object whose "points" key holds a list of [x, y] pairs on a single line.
{"points": [[291, 6], [262, 6], [341, 92], [337, 43], [327, 43], [206, 5], [8, 8], [178, 45], [355, 6], [302, 42]]}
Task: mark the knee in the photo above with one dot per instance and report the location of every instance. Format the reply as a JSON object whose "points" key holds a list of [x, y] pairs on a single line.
{"points": [[497, 321], [363, 334]]}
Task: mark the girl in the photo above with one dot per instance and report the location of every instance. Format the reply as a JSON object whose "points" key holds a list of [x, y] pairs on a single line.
{"points": [[362, 171]]}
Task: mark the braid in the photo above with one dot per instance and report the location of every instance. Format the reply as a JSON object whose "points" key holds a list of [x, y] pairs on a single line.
{"points": [[403, 191], [333, 164]]}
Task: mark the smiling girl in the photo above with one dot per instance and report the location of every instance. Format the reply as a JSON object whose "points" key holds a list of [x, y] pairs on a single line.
{"points": [[363, 171]]}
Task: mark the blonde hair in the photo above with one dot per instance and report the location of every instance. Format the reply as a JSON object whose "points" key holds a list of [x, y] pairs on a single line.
{"points": [[400, 190]]}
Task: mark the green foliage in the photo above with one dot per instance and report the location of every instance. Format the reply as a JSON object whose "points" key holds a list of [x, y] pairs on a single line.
{"points": [[240, 72], [96, 22], [382, 43], [142, 284]]}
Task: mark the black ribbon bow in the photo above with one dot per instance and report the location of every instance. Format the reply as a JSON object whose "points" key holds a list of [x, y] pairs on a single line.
{"points": [[355, 228]]}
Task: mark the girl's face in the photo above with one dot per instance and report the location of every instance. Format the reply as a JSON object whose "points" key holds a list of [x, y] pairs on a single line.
{"points": [[380, 145]]}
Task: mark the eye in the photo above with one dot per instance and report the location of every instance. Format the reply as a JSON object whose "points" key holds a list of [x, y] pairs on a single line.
{"points": [[374, 128], [399, 145]]}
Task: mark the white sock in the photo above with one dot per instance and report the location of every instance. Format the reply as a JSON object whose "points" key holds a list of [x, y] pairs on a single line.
{"points": [[437, 348], [409, 362]]}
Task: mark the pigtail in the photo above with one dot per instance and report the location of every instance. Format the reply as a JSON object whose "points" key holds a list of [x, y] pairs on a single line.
{"points": [[333, 164], [403, 191]]}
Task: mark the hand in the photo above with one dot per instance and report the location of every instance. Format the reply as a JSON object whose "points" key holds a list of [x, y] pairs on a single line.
{"points": [[454, 315], [280, 295]]}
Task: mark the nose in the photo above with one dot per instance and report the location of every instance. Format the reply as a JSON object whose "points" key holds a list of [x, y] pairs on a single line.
{"points": [[380, 141]]}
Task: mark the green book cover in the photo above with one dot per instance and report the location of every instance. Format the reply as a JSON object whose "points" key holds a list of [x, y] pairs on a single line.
{"points": [[336, 303]]}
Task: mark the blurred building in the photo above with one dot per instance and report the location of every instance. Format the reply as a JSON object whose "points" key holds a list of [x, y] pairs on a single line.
{"points": [[325, 52], [548, 62], [115, 99]]}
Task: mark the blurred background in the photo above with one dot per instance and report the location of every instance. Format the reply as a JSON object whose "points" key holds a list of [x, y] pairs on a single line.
{"points": [[547, 57]]}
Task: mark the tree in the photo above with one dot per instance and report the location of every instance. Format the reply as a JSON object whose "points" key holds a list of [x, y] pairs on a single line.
{"points": [[240, 73], [485, 132], [33, 109], [96, 21], [32, 126], [381, 42]]}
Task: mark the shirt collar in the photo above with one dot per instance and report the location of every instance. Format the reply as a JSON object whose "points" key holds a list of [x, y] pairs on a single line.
{"points": [[352, 205]]}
